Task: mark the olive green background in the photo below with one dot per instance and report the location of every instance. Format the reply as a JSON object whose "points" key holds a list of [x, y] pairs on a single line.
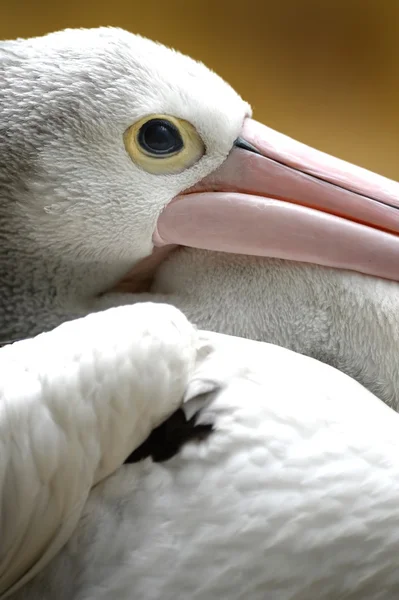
{"points": [[323, 71]]}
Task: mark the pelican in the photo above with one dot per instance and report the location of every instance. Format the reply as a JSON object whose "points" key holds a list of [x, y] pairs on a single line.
{"points": [[127, 165]]}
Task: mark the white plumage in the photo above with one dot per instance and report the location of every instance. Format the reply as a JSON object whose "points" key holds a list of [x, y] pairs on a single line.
{"points": [[293, 497], [75, 402]]}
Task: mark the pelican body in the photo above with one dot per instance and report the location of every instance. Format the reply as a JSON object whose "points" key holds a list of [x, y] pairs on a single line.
{"points": [[293, 496]]}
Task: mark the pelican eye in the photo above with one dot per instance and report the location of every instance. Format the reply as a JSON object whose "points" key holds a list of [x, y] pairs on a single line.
{"points": [[159, 137], [156, 137]]}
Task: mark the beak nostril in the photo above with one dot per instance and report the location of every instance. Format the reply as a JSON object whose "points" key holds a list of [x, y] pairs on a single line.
{"points": [[244, 145]]}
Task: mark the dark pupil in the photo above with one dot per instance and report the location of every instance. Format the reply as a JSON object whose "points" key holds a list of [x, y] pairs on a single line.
{"points": [[160, 137]]}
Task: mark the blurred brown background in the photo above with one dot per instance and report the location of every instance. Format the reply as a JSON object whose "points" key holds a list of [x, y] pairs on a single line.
{"points": [[323, 71]]}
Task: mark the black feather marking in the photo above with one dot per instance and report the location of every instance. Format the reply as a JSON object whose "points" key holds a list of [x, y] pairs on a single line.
{"points": [[167, 439]]}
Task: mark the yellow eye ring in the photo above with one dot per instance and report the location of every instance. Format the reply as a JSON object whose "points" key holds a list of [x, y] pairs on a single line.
{"points": [[163, 145]]}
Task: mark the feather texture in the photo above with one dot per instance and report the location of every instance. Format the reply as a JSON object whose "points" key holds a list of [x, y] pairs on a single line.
{"points": [[74, 403], [293, 496]]}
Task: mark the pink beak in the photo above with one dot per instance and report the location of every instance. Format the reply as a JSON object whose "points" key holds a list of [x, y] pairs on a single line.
{"points": [[278, 198]]}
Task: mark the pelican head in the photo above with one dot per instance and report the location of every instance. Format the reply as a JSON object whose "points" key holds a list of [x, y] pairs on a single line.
{"points": [[111, 144]]}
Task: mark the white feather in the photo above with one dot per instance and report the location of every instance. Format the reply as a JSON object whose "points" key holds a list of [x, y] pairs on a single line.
{"points": [[74, 403]]}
